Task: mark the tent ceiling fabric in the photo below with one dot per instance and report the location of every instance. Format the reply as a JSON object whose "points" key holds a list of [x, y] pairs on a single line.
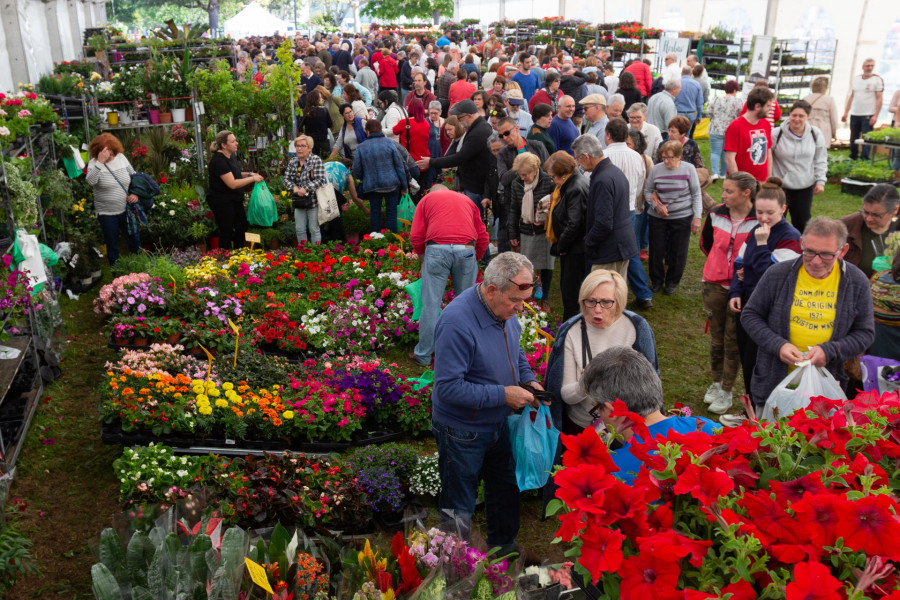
{"points": [[254, 20]]}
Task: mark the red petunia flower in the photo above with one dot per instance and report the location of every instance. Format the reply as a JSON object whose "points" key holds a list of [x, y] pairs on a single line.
{"points": [[792, 491], [626, 422], [587, 448], [813, 581], [868, 525], [649, 578], [704, 484], [602, 550], [583, 487]]}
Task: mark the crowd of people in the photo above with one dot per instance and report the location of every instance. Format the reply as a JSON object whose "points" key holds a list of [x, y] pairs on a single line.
{"points": [[519, 158]]}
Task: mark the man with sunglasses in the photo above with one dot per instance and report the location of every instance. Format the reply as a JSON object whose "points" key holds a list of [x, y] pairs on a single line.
{"points": [[817, 307], [478, 366]]}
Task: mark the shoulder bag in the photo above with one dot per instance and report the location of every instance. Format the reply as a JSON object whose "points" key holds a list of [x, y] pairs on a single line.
{"points": [[328, 204]]}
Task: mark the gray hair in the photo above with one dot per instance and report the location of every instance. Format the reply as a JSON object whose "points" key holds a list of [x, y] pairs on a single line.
{"points": [[617, 99], [504, 267], [686, 70], [492, 139], [435, 104], [623, 373], [637, 107], [672, 84], [587, 144], [453, 65], [825, 227], [884, 194]]}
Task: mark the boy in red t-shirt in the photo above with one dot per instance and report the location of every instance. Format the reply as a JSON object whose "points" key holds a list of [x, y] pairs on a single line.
{"points": [[748, 140]]}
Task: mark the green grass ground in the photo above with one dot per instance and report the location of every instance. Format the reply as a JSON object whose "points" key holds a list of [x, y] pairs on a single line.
{"points": [[65, 473]]}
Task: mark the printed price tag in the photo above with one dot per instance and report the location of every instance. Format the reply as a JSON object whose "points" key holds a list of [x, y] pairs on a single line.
{"points": [[258, 575]]}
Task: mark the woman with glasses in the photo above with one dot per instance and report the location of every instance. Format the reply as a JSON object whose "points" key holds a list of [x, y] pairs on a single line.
{"points": [[597, 327], [726, 229], [542, 116], [772, 240], [305, 173], [351, 135], [673, 190], [869, 228], [529, 204]]}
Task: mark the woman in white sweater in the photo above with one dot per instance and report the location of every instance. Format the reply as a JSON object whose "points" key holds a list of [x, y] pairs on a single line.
{"points": [[109, 174]]}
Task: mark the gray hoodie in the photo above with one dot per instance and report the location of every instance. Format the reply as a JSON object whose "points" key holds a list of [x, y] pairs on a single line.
{"points": [[799, 161]]}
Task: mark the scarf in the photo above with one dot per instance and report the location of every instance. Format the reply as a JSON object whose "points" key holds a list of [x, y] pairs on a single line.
{"points": [[528, 201], [554, 200], [360, 132]]}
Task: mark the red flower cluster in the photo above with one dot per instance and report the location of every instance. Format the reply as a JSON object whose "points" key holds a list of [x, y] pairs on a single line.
{"points": [[806, 500]]}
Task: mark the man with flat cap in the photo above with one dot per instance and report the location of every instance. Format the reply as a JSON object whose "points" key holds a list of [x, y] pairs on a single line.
{"points": [[595, 115]]}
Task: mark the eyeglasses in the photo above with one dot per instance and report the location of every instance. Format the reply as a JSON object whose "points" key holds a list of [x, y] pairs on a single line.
{"points": [[635, 117], [825, 256], [605, 303], [870, 215], [524, 286], [504, 134], [669, 157]]}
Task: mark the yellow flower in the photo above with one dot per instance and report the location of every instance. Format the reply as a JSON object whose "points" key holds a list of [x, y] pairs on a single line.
{"points": [[198, 390], [227, 386], [288, 414], [221, 403], [196, 382], [205, 410], [214, 393], [202, 399]]}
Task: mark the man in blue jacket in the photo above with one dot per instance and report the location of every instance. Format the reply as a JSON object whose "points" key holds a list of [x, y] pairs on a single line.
{"points": [[478, 368], [609, 241]]}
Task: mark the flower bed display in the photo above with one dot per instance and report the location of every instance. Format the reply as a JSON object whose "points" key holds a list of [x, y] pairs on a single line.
{"points": [[326, 405], [802, 507]]}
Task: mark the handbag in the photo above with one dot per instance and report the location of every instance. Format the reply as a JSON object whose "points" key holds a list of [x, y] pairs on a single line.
{"points": [[328, 204], [534, 440]]}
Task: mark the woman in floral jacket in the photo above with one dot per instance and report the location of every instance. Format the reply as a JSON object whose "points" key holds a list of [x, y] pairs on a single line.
{"points": [[302, 177]]}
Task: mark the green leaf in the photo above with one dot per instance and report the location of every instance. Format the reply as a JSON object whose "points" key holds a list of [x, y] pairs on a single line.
{"points": [[104, 584], [111, 551], [199, 570], [140, 593], [278, 543], [553, 507], [138, 556]]}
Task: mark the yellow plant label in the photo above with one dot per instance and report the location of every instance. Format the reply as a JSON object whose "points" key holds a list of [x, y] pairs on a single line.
{"points": [[252, 238], [258, 575]]}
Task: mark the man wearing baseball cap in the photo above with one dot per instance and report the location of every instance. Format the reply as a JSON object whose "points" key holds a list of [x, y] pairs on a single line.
{"points": [[595, 114], [515, 103], [473, 158]]}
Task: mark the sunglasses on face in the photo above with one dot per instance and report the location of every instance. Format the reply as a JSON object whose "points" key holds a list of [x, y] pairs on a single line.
{"points": [[524, 286], [504, 134]]}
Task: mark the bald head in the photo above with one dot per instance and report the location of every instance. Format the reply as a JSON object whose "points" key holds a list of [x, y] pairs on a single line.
{"points": [[566, 107]]}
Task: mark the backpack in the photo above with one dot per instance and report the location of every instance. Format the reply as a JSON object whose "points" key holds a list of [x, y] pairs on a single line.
{"points": [[780, 132]]}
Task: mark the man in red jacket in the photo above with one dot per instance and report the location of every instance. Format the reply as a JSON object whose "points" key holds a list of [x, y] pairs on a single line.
{"points": [[448, 232], [387, 71]]}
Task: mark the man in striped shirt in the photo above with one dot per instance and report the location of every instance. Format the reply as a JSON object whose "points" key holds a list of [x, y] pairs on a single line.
{"points": [[632, 165]]}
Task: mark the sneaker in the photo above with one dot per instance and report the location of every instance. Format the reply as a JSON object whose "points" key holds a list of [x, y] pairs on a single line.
{"points": [[712, 393], [722, 404], [713, 177], [732, 420], [538, 292], [644, 255]]}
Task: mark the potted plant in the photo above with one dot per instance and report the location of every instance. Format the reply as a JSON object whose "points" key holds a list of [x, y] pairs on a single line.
{"points": [[863, 176]]}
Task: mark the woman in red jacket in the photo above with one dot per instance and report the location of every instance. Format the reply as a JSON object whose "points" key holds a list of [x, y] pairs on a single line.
{"points": [[725, 231], [642, 76], [387, 72], [412, 132]]}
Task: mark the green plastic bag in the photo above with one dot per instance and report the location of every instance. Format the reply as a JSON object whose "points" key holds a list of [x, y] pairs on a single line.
{"points": [[414, 290], [262, 210], [419, 383], [407, 209]]}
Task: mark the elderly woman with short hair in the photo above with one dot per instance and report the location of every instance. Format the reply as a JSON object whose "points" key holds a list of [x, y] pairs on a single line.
{"points": [[565, 225], [528, 208], [597, 327], [824, 113], [621, 373], [305, 173]]}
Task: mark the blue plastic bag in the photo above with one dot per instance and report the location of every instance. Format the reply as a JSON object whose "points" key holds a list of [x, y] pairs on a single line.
{"points": [[534, 440]]}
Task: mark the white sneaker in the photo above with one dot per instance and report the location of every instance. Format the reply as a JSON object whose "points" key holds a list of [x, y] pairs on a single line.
{"points": [[712, 393], [713, 177], [732, 420], [722, 404]]}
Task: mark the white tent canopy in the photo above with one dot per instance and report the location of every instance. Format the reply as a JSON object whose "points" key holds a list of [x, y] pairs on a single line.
{"points": [[254, 20]]}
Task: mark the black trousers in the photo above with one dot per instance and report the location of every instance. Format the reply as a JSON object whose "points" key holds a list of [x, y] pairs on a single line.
{"points": [[799, 205], [571, 268], [747, 349], [231, 221], [669, 241]]}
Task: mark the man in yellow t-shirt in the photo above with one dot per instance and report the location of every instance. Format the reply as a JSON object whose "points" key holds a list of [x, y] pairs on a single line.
{"points": [[815, 308]]}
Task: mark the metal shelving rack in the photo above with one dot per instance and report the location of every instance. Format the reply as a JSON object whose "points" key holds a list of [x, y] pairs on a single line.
{"points": [[722, 51], [796, 63]]}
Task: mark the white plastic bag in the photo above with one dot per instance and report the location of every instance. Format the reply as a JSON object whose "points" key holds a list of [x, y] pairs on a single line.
{"points": [[795, 390]]}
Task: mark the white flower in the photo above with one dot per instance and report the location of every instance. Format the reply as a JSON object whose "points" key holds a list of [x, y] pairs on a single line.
{"points": [[4, 131], [172, 213], [181, 473]]}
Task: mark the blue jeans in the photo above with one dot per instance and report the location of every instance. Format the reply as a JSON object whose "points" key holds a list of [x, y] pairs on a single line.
{"points": [[859, 124], [717, 155], [304, 217], [110, 225], [391, 199], [637, 277], [476, 198], [641, 222], [465, 457], [439, 262]]}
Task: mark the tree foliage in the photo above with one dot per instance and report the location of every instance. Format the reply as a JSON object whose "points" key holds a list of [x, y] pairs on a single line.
{"points": [[392, 10], [145, 14]]}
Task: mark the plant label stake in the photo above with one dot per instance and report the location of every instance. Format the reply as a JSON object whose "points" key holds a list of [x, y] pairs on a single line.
{"points": [[258, 575], [209, 357], [237, 338], [548, 339], [174, 285], [400, 239], [253, 238]]}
